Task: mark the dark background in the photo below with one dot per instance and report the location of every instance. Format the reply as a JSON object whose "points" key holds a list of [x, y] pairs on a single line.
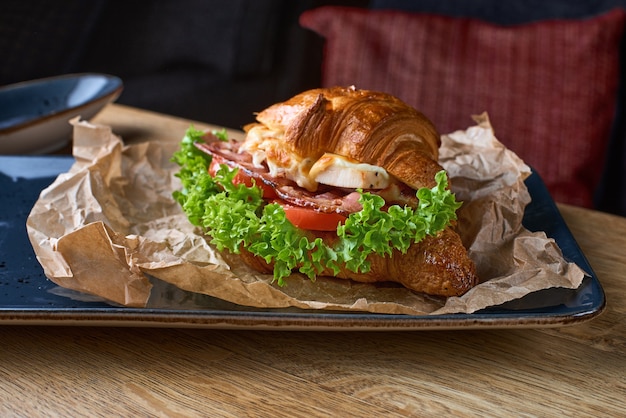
{"points": [[219, 61]]}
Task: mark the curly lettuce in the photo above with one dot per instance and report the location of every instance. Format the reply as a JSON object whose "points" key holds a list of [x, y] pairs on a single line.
{"points": [[236, 216]]}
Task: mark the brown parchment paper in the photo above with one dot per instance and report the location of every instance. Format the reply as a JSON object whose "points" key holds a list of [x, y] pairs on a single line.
{"points": [[109, 226]]}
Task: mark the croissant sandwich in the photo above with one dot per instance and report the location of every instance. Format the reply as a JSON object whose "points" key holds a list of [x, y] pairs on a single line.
{"points": [[333, 182]]}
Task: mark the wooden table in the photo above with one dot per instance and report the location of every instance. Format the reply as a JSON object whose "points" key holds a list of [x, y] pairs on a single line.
{"points": [[572, 371]]}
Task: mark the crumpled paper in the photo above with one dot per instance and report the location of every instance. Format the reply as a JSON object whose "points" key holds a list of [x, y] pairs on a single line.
{"points": [[109, 226]]}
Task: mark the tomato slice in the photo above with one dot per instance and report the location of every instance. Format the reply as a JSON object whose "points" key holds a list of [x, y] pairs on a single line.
{"points": [[304, 218], [243, 178], [311, 219]]}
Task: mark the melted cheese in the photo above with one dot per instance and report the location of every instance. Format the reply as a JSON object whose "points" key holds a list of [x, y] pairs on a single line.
{"points": [[265, 145]]}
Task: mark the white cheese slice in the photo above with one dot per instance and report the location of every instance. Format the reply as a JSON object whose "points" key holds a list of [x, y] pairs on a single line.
{"points": [[336, 170]]}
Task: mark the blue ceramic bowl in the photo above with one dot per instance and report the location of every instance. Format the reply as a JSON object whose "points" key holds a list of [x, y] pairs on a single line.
{"points": [[34, 115]]}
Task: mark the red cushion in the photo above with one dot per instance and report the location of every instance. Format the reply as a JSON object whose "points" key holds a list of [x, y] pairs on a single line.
{"points": [[549, 87]]}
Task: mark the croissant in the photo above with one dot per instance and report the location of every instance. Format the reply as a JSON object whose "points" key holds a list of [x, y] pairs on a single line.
{"points": [[361, 128]]}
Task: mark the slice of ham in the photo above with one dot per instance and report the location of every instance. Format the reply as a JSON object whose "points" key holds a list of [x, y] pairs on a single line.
{"points": [[326, 199]]}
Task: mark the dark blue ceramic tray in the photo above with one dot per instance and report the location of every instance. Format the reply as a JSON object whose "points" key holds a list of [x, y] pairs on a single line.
{"points": [[28, 297]]}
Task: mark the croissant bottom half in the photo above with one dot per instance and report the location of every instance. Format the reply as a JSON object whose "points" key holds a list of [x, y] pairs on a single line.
{"points": [[437, 265]]}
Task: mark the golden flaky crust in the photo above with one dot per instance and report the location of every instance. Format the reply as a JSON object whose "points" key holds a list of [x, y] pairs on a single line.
{"points": [[437, 265], [378, 129], [367, 126]]}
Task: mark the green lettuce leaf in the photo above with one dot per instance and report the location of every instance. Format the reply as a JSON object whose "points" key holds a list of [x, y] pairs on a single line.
{"points": [[236, 216]]}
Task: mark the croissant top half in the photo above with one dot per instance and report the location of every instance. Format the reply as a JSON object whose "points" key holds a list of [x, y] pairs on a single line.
{"points": [[367, 126]]}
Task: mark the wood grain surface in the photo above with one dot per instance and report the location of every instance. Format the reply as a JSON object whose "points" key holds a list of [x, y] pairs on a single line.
{"points": [[576, 371]]}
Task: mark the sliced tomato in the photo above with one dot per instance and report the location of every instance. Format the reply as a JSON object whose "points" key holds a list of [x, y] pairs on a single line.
{"points": [[242, 178], [304, 218], [311, 219]]}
